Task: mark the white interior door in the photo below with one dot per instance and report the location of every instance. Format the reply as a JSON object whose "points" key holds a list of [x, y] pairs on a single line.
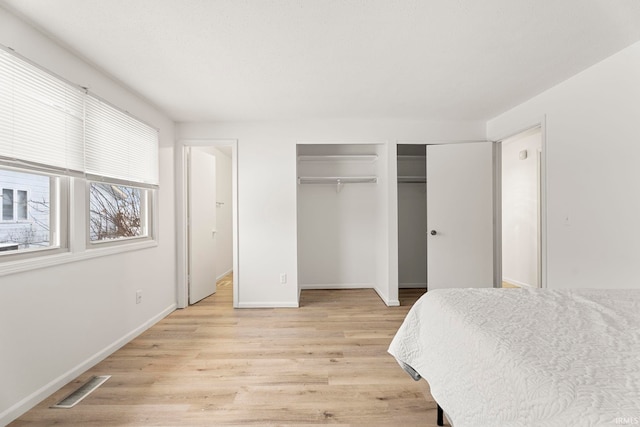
{"points": [[460, 215], [201, 224]]}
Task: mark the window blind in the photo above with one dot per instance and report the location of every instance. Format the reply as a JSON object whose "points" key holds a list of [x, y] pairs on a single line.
{"points": [[41, 116], [119, 146]]}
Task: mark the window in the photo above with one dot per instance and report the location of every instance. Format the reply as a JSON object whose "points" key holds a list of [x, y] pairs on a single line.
{"points": [[55, 136], [117, 212], [30, 216], [14, 205], [121, 162], [7, 204], [22, 205]]}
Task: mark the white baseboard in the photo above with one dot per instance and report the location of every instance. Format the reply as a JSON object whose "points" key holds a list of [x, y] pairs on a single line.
{"points": [[224, 274], [47, 390], [385, 298], [412, 285]]}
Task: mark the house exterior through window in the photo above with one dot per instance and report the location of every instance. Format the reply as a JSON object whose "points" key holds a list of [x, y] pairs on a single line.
{"points": [[25, 218]]}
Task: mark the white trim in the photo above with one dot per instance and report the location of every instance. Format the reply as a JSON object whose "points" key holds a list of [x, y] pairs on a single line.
{"points": [[47, 390], [393, 244], [385, 299], [224, 274], [148, 215], [59, 221], [182, 286]]}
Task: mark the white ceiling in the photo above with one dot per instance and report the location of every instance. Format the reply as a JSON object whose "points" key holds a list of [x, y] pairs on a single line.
{"points": [[206, 60]]}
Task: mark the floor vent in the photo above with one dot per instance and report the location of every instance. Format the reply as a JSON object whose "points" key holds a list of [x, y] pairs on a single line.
{"points": [[84, 390]]}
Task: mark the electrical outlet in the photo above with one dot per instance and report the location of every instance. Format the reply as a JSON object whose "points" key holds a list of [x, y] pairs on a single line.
{"points": [[283, 278], [138, 297]]}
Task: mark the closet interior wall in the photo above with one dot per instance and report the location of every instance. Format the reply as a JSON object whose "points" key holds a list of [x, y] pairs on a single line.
{"points": [[340, 214], [412, 216]]}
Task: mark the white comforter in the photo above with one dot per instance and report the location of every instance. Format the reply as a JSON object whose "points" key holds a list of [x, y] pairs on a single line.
{"points": [[516, 357]]}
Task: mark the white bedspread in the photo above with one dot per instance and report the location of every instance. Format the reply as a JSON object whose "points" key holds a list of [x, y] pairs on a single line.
{"points": [[518, 357]]}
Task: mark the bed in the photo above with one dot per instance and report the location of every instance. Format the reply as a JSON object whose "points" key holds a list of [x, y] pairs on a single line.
{"points": [[526, 357]]}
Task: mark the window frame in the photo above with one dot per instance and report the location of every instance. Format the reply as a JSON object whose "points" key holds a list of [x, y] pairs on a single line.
{"points": [[19, 204], [5, 191], [148, 211], [15, 216], [59, 197]]}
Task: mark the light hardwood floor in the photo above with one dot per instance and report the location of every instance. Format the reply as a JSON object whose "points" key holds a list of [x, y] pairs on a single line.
{"points": [[508, 285], [208, 365]]}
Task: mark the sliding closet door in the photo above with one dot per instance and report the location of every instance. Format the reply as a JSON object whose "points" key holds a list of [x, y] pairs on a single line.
{"points": [[460, 215]]}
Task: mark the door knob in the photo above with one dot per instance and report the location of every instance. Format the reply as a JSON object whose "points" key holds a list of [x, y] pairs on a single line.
{"points": [[433, 232]]}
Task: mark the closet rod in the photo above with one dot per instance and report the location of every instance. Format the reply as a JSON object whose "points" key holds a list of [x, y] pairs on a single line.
{"points": [[338, 181], [412, 180]]}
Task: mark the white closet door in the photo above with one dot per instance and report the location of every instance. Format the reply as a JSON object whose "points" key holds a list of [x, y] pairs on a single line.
{"points": [[202, 224], [460, 215]]}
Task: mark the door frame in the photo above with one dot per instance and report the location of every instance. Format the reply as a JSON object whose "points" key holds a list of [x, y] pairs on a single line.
{"points": [[182, 246], [542, 208]]}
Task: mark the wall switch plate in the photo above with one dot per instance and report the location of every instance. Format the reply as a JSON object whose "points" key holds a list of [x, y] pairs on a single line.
{"points": [[283, 278], [138, 297]]}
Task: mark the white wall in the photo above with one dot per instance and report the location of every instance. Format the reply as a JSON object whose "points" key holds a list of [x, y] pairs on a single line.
{"points": [[55, 322], [592, 144], [267, 191], [520, 210]]}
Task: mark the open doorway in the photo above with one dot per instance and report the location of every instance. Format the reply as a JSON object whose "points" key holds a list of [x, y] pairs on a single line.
{"points": [[521, 213], [207, 196]]}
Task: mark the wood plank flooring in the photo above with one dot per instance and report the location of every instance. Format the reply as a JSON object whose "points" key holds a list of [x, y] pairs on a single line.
{"points": [[509, 285], [210, 364]]}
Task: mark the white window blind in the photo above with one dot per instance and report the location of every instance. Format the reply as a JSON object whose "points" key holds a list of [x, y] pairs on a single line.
{"points": [[118, 145], [41, 116]]}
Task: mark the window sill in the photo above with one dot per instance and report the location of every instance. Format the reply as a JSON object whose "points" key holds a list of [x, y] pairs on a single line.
{"points": [[44, 261]]}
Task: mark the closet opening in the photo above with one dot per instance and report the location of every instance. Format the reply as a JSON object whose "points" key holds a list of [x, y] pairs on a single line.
{"points": [[412, 216], [341, 217], [446, 215]]}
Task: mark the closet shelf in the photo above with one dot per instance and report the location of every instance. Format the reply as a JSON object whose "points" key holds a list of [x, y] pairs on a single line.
{"points": [[408, 179], [337, 179], [409, 157], [339, 158]]}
